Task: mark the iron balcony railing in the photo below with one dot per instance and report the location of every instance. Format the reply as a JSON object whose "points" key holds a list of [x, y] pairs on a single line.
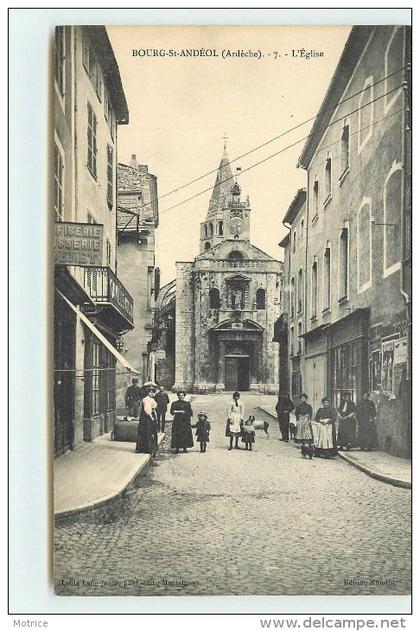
{"points": [[104, 287]]}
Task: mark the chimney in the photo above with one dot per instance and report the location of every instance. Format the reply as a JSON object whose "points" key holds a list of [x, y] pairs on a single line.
{"points": [[133, 161]]}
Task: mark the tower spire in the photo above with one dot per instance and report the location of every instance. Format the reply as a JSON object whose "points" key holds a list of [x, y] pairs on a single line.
{"points": [[223, 184]]}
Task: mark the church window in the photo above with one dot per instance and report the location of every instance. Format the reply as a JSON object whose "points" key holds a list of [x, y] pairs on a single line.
{"points": [[220, 227], [235, 255], [210, 230], [205, 231], [260, 298], [207, 245], [214, 296]]}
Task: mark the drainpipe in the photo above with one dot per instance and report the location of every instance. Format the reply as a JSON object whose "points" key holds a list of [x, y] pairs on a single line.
{"points": [[289, 228], [75, 122]]}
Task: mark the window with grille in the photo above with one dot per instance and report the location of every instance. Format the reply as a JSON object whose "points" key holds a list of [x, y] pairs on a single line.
{"points": [[91, 140], [96, 386], [60, 58], [58, 184], [110, 176]]}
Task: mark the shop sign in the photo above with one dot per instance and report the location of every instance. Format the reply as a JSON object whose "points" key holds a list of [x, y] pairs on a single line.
{"points": [[78, 243]]}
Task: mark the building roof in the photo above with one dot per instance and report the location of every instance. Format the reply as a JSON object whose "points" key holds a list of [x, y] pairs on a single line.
{"points": [[350, 56], [294, 208], [100, 42], [285, 241], [223, 185]]}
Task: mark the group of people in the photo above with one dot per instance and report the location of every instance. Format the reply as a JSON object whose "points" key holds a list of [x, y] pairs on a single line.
{"points": [[329, 430], [149, 404]]}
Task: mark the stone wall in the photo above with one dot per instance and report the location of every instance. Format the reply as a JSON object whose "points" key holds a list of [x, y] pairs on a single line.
{"points": [[184, 336]]}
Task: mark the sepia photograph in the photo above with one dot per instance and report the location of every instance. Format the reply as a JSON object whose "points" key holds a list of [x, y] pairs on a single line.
{"points": [[231, 332]]}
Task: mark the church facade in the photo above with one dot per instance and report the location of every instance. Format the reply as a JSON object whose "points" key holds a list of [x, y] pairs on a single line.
{"points": [[227, 301]]}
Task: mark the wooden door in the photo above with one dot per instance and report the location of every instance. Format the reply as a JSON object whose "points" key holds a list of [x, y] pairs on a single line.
{"points": [[231, 373], [64, 379], [243, 374]]}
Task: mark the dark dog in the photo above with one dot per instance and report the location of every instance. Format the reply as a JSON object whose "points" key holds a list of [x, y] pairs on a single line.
{"points": [[307, 450]]}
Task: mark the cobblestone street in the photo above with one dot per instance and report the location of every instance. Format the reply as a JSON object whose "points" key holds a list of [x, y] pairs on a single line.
{"points": [[238, 522]]}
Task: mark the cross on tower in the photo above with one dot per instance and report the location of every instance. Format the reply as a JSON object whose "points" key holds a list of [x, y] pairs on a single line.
{"points": [[225, 138]]}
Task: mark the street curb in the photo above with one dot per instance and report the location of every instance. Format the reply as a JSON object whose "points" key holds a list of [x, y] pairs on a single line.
{"points": [[100, 503], [373, 474]]}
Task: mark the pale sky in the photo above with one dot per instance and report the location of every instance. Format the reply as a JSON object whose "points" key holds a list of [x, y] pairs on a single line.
{"points": [[180, 108]]}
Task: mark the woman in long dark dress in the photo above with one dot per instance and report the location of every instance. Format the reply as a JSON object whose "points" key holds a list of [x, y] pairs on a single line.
{"points": [[366, 413], [346, 436], [325, 441], [182, 436], [147, 430]]}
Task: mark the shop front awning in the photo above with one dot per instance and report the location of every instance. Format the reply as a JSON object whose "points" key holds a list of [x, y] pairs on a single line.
{"points": [[99, 335]]}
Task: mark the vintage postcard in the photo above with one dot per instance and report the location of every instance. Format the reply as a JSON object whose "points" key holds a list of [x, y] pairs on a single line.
{"points": [[232, 310]]}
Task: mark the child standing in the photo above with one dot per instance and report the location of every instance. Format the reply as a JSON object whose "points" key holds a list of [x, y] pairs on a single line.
{"points": [[202, 431], [248, 433]]}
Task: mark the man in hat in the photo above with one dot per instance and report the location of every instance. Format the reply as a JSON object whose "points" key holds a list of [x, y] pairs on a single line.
{"points": [[133, 396], [162, 401]]}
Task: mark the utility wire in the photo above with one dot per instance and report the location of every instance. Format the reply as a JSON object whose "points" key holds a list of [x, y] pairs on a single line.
{"points": [[264, 144], [277, 152]]}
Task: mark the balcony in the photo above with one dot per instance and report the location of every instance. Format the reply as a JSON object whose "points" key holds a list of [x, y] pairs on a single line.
{"points": [[108, 293]]}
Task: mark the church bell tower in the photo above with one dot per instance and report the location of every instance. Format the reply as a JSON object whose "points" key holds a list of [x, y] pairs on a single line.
{"points": [[228, 216]]}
